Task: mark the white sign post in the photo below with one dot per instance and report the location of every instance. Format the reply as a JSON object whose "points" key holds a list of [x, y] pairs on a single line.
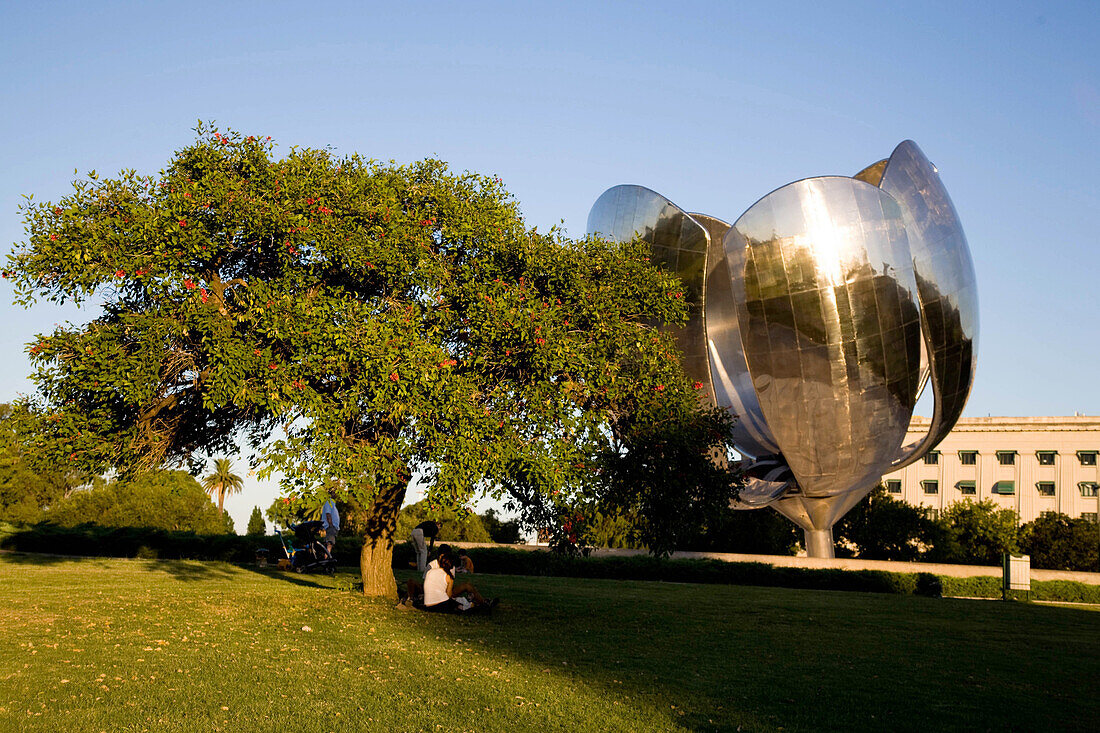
{"points": [[1017, 575]]}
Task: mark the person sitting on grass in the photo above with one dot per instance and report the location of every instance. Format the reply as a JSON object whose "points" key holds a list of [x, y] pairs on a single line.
{"points": [[414, 589], [463, 563], [443, 595]]}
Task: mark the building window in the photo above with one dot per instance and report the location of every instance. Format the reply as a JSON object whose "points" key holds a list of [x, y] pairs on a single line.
{"points": [[1006, 457], [893, 486], [968, 457], [1046, 457], [1005, 488], [1089, 516], [1087, 457], [930, 487], [1045, 488], [967, 488], [931, 458], [1089, 488]]}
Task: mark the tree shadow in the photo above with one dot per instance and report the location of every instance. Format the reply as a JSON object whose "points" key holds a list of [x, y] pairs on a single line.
{"points": [[286, 576], [183, 570], [720, 657], [697, 657]]}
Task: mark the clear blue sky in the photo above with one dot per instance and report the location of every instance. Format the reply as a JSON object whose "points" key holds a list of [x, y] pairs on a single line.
{"points": [[713, 104]]}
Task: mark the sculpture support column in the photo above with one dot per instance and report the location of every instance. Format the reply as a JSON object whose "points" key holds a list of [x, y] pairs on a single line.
{"points": [[819, 542]]}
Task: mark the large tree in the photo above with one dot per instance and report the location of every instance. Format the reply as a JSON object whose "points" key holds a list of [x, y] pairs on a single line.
{"points": [[354, 321]]}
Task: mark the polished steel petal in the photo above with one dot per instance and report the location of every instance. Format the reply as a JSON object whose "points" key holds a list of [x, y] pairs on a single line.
{"points": [[826, 297], [759, 493], [732, 386], [946, 287], [678, 242]]}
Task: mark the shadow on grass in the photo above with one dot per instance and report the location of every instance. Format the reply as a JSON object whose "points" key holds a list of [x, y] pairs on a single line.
{"points": [[719, 657], [695, 657], [183, 570]]}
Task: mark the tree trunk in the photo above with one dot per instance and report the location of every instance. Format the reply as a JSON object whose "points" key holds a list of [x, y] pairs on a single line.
{"points": [[376, 559], [376, 567]]}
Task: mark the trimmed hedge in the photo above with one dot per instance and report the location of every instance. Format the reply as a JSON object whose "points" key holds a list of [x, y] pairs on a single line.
{"points": [[94, 541], [646, 567], [989, 586], [88, 540]]}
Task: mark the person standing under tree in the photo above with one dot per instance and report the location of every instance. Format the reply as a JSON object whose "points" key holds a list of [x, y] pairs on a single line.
{"points": [[330, 520], [424, 531]]}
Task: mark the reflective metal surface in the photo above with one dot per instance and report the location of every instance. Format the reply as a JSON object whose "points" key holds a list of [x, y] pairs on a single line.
{"points": [[827, 304], [823, 310], [946, 286], [678, 242], [731, 383]]}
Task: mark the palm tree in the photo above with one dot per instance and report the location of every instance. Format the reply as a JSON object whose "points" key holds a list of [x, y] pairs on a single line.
{"points": [[222, 482]]}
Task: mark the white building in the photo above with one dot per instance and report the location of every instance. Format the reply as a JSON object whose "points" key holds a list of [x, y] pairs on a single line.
{"points": [[1029, 464]]}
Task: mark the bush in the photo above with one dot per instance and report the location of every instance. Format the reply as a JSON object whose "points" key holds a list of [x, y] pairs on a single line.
{"points": [[501, 531], [454, 527], [884, 528], [168, 500], [1065, 591], [929, 585], [647, 567], [1059, 542], [975, 533], [93, 541]]}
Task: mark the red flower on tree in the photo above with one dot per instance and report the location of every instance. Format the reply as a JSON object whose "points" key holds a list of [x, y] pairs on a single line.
{"points": [[189, 284], [697, 385], [120, 273], [53, 237], [183, 222], [203, 295], [394, 377]]}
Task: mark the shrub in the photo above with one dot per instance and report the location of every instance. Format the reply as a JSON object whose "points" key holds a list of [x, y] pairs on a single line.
{"points": [[1060, 542], [985, 586], [1065, 591], [929, 585]]}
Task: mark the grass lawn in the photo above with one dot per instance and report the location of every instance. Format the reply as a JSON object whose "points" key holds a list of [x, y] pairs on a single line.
{"points": [[132, 645]]}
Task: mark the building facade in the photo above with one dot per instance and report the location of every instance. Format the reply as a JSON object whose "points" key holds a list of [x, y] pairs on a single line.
{"points": [[1028, 464]]}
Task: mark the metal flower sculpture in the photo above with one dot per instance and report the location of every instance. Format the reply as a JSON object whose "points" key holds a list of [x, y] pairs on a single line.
{"points": [[817, 318]]}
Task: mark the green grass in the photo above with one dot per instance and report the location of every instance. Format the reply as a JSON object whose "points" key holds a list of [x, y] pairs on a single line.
{"points": [[132, 645]]}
